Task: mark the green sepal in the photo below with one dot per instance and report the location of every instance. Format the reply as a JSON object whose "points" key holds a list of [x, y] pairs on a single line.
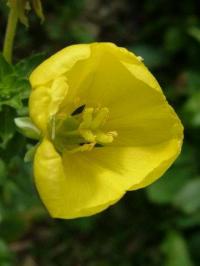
{"points": [[29, 156], [63, 132], [27, 128]]}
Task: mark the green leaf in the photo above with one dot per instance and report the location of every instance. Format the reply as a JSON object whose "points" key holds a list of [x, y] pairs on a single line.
{"points": [[187, 221], [191, 110], [166, 188], [27, 65], [5, 67], [14, 83], [195, 33], [7, 128], [175, 250], [191, 81], [5, 254], [174, 39], [13, 227], [29, 156], [14, 89], [3, 172], [14, 92], [188, 198], [153, 57]]}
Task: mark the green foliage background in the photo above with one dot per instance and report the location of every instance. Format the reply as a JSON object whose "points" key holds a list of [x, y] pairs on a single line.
{"points": [[156, 226]]}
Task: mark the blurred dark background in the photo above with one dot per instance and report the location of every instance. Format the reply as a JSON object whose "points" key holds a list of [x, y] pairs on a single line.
{"points": [[157, 226]]}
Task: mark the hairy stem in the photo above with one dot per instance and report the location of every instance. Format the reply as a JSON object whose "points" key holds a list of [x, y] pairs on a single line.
{"points": [[10, 33]]}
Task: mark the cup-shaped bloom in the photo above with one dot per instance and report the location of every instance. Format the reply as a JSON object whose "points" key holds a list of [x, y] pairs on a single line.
{"points": [[106, 128]]}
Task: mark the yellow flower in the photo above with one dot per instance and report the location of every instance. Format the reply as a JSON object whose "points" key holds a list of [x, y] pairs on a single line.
{"points": [[106, 128]]}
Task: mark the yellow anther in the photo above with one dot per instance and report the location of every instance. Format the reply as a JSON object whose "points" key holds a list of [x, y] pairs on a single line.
{"points": [[53, 127], [87, 118], [80, 132], [113, 133], [85, 147], [90, 127], [100, 118], [104, 138], [87, 134]]}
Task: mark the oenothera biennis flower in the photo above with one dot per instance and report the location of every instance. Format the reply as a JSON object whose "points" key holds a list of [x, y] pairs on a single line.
{"points": [[106, 128]]}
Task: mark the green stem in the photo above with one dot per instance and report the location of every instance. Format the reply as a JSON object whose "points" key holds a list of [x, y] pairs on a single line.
{"points": [[10, 33]]}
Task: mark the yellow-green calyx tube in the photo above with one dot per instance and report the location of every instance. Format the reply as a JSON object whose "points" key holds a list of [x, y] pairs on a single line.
{"points": [[82, 131]]}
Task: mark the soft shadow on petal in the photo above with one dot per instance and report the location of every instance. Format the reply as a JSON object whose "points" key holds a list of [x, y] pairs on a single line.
{"points": [[115, 71], [50, 84], [73, 187], [129, 60], [139, 111], [135, 167], [58, 64], [149, 132], [45, 102], [92, 81], [38, 107], [156, 126]]}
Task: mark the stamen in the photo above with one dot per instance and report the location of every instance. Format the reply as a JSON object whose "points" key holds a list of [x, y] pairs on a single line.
{"points": [[100, 118], [104, 138], [81, 131], [113, 133], [87, 135], [53, 127], [87, 118], [85, 147]]}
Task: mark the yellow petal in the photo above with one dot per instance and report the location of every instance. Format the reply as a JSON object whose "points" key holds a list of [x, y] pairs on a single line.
{"points": [[50, 85], [86, 183], [44, 102], [72, 186], [157, 126], [135, 167], [138, 109], [38, 107], [149, 132], [97, 74], [58, 91], [101, 77], [59, 64], [111, 73], [128, 59]]}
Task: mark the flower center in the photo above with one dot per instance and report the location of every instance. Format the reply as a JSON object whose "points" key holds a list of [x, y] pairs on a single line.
{"points": [[80, 131]]}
